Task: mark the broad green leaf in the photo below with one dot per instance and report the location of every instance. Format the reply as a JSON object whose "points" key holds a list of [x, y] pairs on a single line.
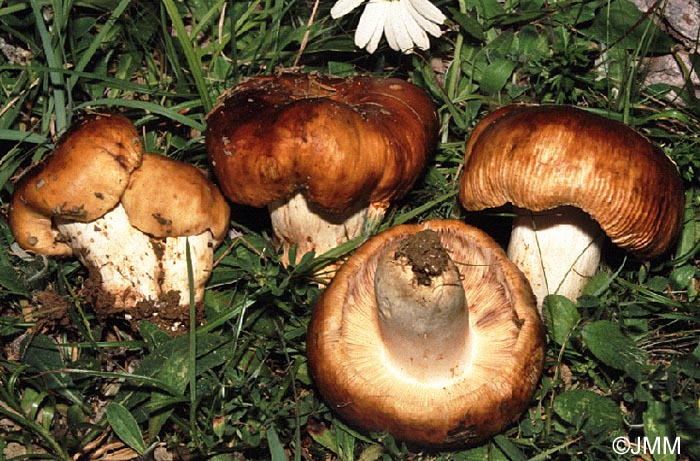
{"points": [[532, 44], [276, 449], [166, 362], [169, 365], [560, 317], [125, 426], [32, 402], [597, 284], [687, 364], [341, 69], [621, 23], [468, 24], [371, 453], [340, 426], [609, 345], [501, 47], [528, 5], [345, 442], [43, 354], [323, 436], [589, 412], [487, 9], [658, 428], [154, 336], [10, 281], [509, 448], [486, 452], [657, 283], [682, 276], [174, 368], [578, 13], [690, 234], [97, 41], [496, 75]]}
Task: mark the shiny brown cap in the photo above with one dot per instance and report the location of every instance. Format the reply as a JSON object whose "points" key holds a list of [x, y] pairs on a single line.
{"points": [[339, 141], [350, 367], [542, 157], [168, 198], [82, 179]]}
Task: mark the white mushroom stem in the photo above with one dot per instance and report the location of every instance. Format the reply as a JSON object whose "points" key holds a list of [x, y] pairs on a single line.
{"points": [[424, 320], [174, 264], [557, 250], [135, 267], [295, 221]]}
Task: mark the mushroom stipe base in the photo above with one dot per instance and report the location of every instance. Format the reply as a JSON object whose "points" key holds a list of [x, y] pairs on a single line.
{"points": [[167, 313], [426, 255]]}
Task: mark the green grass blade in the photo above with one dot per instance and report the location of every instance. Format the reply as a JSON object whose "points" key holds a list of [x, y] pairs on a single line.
{"points": [[193, 61], [405, 217], [35, 428], [8, 10], [97, 42], [192, 336], [208, 16], [276, 449], [148, 107], [22, 136], [56, 75]]}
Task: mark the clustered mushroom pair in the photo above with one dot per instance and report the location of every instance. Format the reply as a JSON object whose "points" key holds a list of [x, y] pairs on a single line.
{"points": [[131, 218], [428, 331]]}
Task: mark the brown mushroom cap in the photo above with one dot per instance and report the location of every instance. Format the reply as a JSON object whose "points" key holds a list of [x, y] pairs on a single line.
{"points": [[167, 198], [34, 231], [81, 180], [543, 157], [349, 361], [339, 141]]}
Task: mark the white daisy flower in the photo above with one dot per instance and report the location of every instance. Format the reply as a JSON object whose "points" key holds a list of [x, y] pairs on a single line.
{"points": [[406, 23]]}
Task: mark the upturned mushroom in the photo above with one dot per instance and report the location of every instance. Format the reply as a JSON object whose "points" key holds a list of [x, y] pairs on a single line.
{"points": [[430, 333], [573, 177], [127, 216], [325, 155]]}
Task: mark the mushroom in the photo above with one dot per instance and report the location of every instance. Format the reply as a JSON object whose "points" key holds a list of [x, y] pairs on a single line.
{"points": [[84, 177], [127, 216], [175, 204], [325, 155], [572, 177], [430, 333]]}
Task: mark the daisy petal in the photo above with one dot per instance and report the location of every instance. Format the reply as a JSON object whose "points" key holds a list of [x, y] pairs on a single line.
{"points": [[395, 29], [374, 41], [416, 33], [369, 30], [391, 34], [343, 7], [428, 11], [425, 24], [397, 25]]}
